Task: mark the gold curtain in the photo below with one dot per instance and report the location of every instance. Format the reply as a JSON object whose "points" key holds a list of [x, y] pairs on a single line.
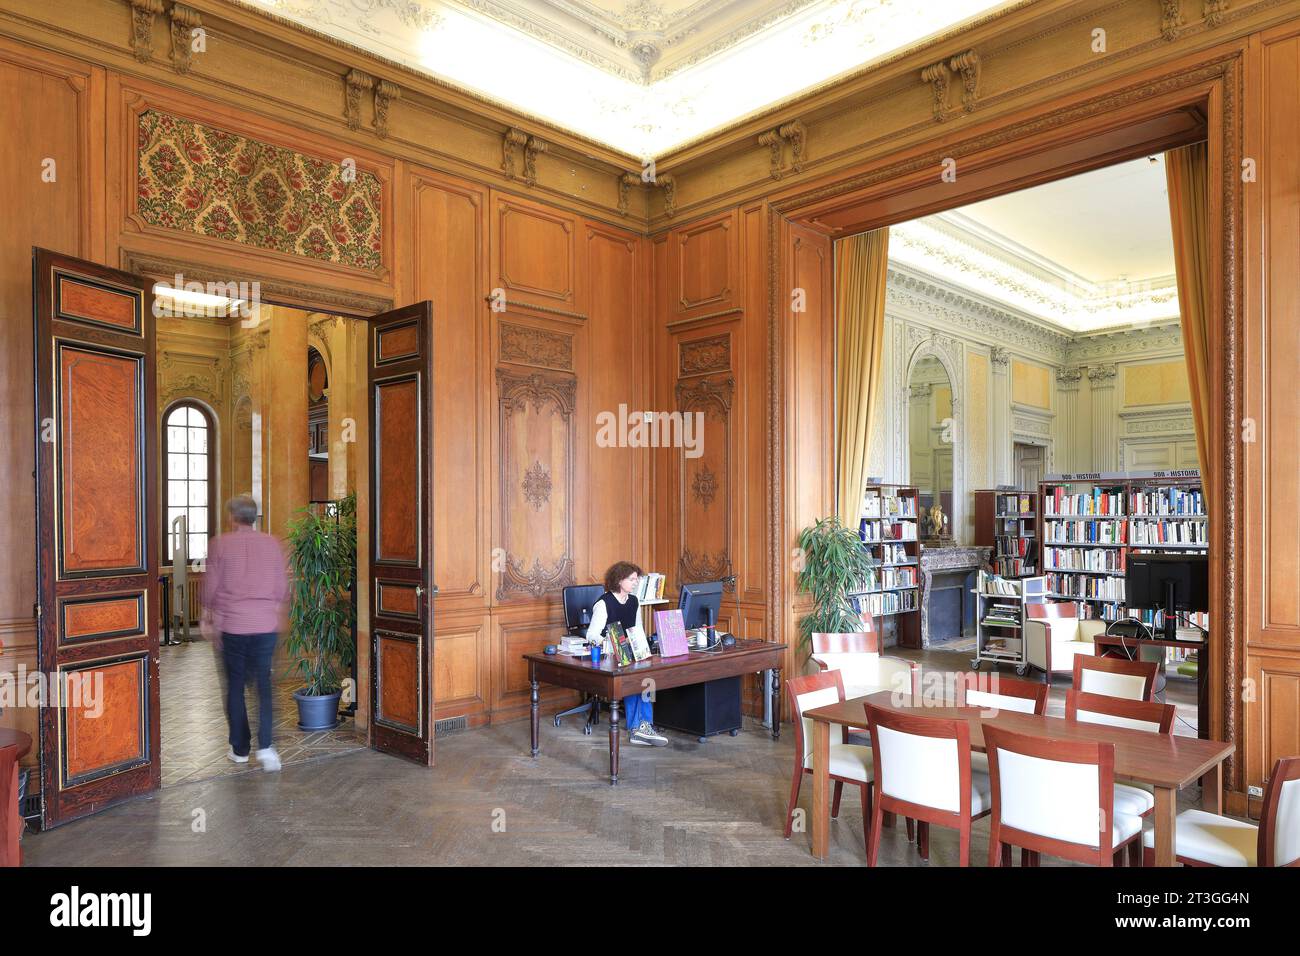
{"points": [[1186, 170], [860, 270]]}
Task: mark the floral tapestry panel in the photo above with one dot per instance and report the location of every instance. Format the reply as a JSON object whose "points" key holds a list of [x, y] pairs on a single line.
{"points": [[213, 183]]}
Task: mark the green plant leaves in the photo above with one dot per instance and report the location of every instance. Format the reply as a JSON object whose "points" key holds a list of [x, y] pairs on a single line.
{"points": [[322, 563], [834, 564]]}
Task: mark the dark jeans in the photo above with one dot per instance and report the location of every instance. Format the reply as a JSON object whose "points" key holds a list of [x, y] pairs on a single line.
{"points": [[248, 655]]}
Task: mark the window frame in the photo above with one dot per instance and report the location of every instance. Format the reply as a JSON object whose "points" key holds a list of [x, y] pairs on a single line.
{"points": [[210, 422]]}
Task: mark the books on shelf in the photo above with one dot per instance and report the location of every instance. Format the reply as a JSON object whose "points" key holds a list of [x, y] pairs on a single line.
{"points": [[1085, 586], [1166, 501], [1082, 559], [1100, 501], [650, 587], [996, 584], [880, 603], [895, 554], [898, 578], [1019, 503], [1014, 567], [1180, 532], [1084, 532]]}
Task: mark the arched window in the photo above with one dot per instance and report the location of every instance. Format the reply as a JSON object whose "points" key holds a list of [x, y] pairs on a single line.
{"points": [[189, 457]]}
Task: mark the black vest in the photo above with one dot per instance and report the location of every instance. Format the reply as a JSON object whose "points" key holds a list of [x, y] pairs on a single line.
{"points": [[624, 613]]}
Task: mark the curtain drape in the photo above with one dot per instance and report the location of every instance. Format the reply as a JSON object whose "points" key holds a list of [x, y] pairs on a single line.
{"points": [[1187, 173], [860, 269]]}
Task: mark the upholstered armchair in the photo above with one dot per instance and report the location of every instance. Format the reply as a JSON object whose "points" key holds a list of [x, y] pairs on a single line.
{"points": [[862, 667], [1054, 635]]}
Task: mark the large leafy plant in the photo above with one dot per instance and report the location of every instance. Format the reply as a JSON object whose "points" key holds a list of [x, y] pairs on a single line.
{"points": [[322, 563], [833, 563]]}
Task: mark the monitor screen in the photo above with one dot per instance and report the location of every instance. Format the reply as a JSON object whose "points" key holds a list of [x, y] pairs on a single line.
{"points": [[700, 603], [1150, 576]]}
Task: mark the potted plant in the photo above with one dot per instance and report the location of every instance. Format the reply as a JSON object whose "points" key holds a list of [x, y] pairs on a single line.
{"points": [[322, 562], [833, 563]]}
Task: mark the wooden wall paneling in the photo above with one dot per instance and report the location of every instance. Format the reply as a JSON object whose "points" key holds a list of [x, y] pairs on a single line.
{"points": [[753, 484], [705, 263], [230, 260], [53, 115], [666, 520], [809, 351], [519, 630], [616, 500], [536, 257], [1271, 440], [462, 662]]}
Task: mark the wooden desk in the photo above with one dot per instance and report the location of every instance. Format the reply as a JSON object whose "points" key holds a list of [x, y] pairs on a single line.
{"points": [[14, 745], [1127, 647], [1166, 762], [614, 683]]}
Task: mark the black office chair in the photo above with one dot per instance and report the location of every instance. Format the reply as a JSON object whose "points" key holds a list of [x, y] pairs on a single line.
{"points": [[578, 602]]}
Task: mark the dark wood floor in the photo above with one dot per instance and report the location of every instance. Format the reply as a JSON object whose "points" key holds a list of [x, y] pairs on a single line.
{"points": [[487, 802]]}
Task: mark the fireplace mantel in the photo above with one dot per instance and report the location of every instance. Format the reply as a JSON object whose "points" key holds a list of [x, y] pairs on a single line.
{"points": [[946, 561]]}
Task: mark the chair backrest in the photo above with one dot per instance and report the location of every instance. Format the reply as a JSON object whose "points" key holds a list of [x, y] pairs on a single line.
{"points": [[995, 692], [1062, 790], [1145, 715], [855, 642], [921, 760], [11, 824], [809, 693], [1052, 609], [578, 598], [1279, 823], [1115, 677]]}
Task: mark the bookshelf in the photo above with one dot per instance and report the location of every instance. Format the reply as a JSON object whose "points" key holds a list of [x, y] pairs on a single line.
{"points": [[1092, 523], [1006, 520], [1000, 616], [889, 531]]}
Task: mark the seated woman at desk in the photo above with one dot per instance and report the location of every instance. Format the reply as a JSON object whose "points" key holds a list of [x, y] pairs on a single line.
{"points": [[619, 604]]}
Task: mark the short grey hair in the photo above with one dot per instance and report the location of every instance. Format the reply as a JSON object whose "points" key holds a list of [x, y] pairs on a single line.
{"points": [[242, 510]]}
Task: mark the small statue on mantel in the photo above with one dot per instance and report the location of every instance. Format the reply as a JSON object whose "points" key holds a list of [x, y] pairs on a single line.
{"points": [[936, 522]]}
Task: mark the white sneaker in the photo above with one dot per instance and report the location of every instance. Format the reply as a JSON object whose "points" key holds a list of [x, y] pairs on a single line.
{"points": [[647, 735], [234, 757], [269, 759]]}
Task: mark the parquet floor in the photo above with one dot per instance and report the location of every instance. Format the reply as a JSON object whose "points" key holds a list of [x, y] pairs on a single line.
{"points": [[488, 803]]}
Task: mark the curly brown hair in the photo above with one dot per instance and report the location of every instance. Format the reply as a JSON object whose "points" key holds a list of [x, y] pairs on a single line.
{"points": [[617, 572]]}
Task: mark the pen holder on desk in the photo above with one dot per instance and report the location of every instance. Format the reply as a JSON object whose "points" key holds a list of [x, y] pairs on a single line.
{"points": [[595, 653]]}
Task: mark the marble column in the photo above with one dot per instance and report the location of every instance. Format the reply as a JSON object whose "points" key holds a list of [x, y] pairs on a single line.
{"points": [[1000, 417], [286, 477], [1069, 430], [1102, 378]]}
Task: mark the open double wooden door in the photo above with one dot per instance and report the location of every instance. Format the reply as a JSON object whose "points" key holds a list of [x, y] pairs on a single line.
{"points": [[96, 535], [401, 553]]}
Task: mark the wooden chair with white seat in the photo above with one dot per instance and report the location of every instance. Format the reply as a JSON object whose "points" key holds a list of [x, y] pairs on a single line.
{"points": [[1208, 839], [923, 772], [864, 669], [1055, 797], [1055, 636], [849, 763], [1155, 718], [1116, 677], [993, 692]]}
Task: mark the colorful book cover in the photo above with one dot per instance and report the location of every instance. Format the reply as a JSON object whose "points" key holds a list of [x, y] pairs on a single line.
{"points": [[619, 644], [672, 633], [640, 645]]}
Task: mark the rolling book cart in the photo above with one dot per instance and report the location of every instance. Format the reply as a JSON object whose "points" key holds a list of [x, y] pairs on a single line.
{"points": [[1000, 614]]}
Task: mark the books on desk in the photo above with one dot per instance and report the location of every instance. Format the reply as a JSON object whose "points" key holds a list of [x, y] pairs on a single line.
{"points": [[672, 633], [620, 644]]}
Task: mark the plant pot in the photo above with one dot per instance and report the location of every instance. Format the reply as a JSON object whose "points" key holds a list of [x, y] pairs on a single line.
{"points": [[317, 711]]}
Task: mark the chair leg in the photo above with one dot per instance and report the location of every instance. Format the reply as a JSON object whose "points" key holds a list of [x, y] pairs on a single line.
{"points": [[1135, 853], [866, 815], [923, 839], [890, 819], [873, 837], [963, 849], [1006, 855], [794, 799], [1028, 857], [1117, 858], [911, 830], [835, 801]]}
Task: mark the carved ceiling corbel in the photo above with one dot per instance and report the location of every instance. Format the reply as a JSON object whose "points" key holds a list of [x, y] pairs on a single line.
{"points": [[355, 84], [184, 21], [794, 133], [1215, 11], [532, 149], [385, 93], [1171, 19], [936, 76], [625, 184], [513, 141], [772, 140], [968, 65], [142, 14], [669, 185]]}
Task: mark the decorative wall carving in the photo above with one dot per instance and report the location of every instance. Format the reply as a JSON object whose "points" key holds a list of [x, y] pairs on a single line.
{"points": [[385, 93], [968, 65], [217, 184], [518, 146], [536, 419], [190, 375], [669, 185], [1171, 19], [999, 358], [937, 76], [512, 142], [626, 182], [540, 348], [705, 545], [184, 21], [355, 83], [1102, 376], [705, 487], [1067, 379], [1215, 11], [142, 14], [702, 356], [775, 141]]}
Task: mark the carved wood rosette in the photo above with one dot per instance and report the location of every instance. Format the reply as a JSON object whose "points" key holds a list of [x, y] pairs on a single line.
{"points": [[705, 480], [142, 14], [538, 460]]}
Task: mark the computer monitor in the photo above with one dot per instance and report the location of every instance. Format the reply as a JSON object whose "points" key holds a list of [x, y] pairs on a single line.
{"points": [[1170, 583], [580, 598], [700, 604]]}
